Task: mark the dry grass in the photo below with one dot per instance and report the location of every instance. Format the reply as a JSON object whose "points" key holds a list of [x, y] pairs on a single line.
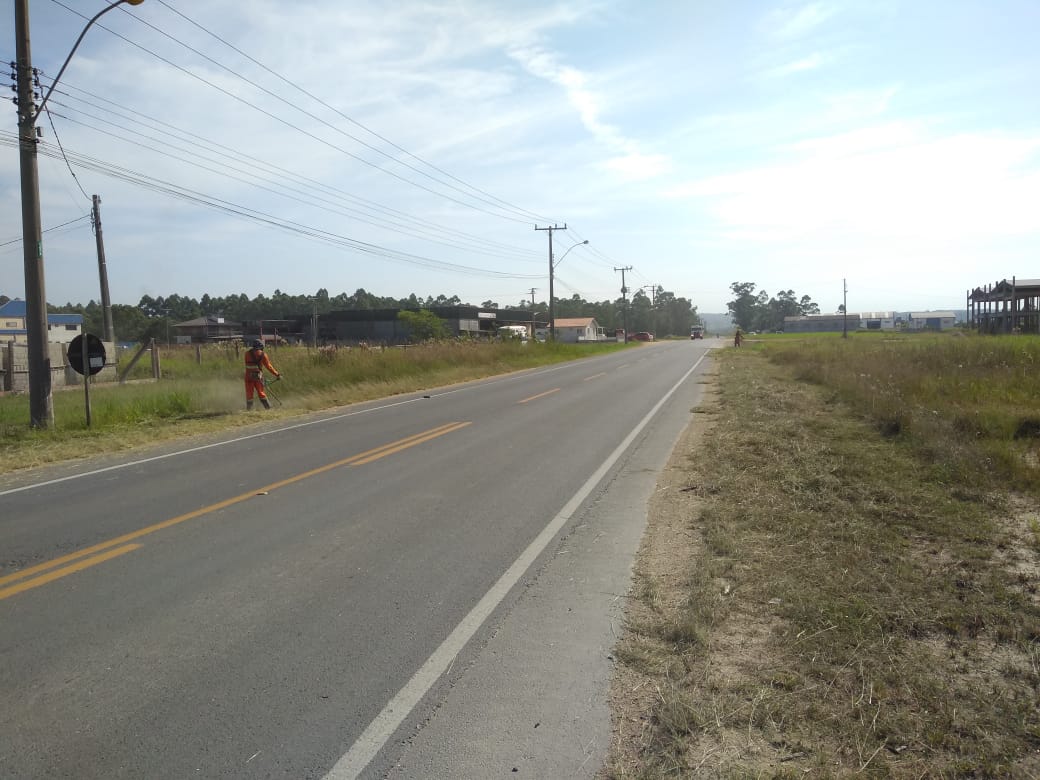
{"points": [[841, 607], [202, 393]]}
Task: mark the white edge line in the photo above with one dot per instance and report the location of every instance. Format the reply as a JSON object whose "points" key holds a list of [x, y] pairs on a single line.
{"points": [[190, 450], [225, 442], [375, 736]]}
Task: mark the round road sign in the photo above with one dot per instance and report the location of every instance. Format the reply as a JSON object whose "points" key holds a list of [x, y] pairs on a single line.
{"points": [[95, 353]]}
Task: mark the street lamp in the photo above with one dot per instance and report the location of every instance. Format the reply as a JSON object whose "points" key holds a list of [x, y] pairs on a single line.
{"points": [[534, 323], [552, 306], [41, 406]]}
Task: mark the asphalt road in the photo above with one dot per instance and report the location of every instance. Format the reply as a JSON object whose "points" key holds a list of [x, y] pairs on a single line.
{"points": [[425, 586]]}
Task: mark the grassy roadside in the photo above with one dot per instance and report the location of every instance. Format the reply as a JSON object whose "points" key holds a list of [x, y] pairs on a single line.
{"points": [[845, 579], [202, 393]]}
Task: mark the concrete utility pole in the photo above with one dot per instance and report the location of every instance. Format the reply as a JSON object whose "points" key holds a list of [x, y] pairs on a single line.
{"points": [[845, 310], [106, 303], [552, 306], [653, 305], [624, 299], [41, 403]]}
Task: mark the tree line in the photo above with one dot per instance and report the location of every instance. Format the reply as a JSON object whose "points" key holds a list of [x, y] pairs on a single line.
{"points": [[764, 313], [660, 312]]}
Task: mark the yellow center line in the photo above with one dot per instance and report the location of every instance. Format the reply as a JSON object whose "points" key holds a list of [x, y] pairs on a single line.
{"points": [[85, 563], [594, 376], [390, 449], [68, 567], [540, 395]]}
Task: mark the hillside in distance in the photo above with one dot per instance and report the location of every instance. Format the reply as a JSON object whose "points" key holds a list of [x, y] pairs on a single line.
{"points": [[716, 323]]}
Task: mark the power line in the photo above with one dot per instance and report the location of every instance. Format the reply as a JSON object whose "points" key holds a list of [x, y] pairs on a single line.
{"points": [[46, 230], [289, 124], [50, 119], [198, 140], [227, 207], [280, 189], [517, 209]]}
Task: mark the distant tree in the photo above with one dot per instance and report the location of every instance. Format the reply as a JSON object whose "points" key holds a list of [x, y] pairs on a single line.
{"points": [[745, 308], [130, 322], [443, 300], [423, 325], [751, 311], [489, 305]]}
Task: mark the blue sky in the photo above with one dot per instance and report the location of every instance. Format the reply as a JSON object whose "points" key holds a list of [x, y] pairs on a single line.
{"points": [[412, 147]]}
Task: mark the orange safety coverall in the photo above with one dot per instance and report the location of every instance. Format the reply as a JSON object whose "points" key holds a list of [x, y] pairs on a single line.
{"points": [[256, 362]]}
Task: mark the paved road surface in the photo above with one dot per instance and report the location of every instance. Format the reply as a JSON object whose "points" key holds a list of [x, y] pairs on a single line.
{"points": [[419, 587]]}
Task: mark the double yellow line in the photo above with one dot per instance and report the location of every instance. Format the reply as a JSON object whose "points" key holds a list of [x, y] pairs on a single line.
{"points": [[43, 573]]}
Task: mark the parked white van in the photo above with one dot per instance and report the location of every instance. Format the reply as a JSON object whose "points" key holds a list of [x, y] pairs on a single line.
{"points": [[513, 332]]}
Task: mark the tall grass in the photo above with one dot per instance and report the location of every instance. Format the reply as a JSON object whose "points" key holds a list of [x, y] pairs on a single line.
{"points": [[970, 405], [202, 390], [858, 569]]}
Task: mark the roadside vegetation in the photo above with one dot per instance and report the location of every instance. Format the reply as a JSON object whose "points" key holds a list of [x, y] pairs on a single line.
{"points": [[849, 583], [202, 391]]}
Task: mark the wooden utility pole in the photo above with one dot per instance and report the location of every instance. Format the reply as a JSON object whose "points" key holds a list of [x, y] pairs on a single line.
{"points": [[106, 303]]}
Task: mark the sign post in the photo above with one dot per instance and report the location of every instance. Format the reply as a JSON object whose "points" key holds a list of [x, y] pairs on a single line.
{"points": [[86, 357]]}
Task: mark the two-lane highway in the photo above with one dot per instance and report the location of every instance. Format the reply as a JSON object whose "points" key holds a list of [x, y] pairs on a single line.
{"points": [[301, 601]]}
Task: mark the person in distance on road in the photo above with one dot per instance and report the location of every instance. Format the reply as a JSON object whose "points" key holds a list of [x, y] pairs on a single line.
{"points": [[256, 362]]}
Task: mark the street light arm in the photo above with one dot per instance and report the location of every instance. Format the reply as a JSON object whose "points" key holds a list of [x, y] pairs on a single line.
{"points": [[580, 243], [75, 46]]}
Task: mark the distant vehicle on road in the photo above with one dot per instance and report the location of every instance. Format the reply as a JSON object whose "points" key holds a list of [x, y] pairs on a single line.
{"points": [[696, 333], [513, 332], [643, 336]]}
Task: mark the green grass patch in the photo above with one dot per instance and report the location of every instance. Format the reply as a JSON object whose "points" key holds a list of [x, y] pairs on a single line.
{"points": [[201, 391]]}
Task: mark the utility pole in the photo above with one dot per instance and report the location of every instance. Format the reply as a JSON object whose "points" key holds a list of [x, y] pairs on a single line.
{"points": [[552, 306], [41, 403], [845, 309], [166, 312], [653, 306], [106, 303], [624, 299], [532, 295], [314, 322]]}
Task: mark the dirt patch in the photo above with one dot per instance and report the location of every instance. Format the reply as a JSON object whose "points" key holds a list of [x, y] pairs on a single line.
{"points": [[1021, 555]]}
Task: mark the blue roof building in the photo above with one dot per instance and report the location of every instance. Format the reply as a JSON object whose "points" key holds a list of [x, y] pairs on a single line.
{"points": [[61, 328]]}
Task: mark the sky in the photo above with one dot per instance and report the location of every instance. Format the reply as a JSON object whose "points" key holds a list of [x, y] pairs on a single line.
{"points": [[890, 148]]}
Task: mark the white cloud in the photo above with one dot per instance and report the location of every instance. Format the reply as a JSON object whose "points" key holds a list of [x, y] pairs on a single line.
{"points": [[637, 166], [632, 163], [812, 62], [796, 22], [890, 182]]}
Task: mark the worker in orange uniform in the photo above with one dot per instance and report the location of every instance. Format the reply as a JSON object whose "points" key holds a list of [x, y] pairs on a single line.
{"points": [[256, 362]]}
